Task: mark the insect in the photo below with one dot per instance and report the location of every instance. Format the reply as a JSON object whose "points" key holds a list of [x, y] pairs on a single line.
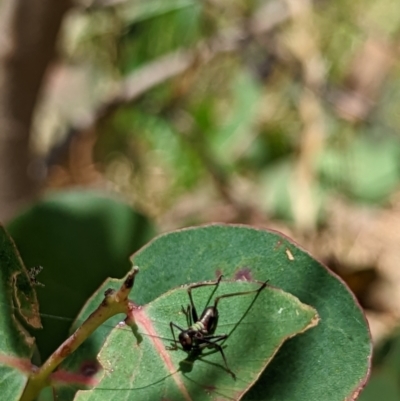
{"points": [[200, 331], [32, 273]]}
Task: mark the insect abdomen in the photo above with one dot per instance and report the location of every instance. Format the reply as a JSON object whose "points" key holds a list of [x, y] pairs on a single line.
{"points": [[209, 319]]}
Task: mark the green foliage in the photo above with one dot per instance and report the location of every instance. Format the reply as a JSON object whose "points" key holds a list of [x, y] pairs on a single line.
{"points": [[18, 305], [146, 21], [200, 253], [306, 367], [79, 238], [386, 370], [367, 170], [239, 113], [228, 141], [329, 362], [343, 168]]}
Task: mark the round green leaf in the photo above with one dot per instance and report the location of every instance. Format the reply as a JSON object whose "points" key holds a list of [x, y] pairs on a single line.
{"points": [[330, 362]]}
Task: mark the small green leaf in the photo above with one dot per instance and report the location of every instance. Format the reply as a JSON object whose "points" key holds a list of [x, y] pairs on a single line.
{"points": [[16, 346], [366, 170], [143, 369]]}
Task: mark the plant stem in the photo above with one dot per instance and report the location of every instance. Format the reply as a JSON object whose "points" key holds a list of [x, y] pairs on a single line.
{"points": [[114, 302]]}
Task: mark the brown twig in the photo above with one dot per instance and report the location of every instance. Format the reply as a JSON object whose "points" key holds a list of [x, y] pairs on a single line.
{"points": [[28, 34], [303, 44]]}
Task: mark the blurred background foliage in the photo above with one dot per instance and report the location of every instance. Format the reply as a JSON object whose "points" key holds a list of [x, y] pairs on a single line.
{"points": [[280, 114]]}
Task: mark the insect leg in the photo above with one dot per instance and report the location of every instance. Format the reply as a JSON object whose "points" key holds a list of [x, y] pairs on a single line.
{"points": [[174, 346], [191, 287], [216, 338], [188, 314], [258, 290], [212, 343]]}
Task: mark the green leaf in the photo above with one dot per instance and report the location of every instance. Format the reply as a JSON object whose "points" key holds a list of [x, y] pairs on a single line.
{"points": [[366, 170], [384, 383], [330, 362], [257, 327], [133, 12], [232, 137], [275, 190], [16, 346], [383, 386], [175, 26], [69, 233]]}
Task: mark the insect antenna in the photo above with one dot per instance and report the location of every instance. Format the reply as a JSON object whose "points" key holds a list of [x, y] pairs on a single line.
{"points": [[257, 291], [116, 322]]}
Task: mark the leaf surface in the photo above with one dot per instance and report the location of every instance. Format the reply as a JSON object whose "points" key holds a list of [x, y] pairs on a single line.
{"points": [[256, 327]]}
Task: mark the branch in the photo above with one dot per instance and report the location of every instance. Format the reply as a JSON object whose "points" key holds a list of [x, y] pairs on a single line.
{"points": [[28, 33], [114, 302]]}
